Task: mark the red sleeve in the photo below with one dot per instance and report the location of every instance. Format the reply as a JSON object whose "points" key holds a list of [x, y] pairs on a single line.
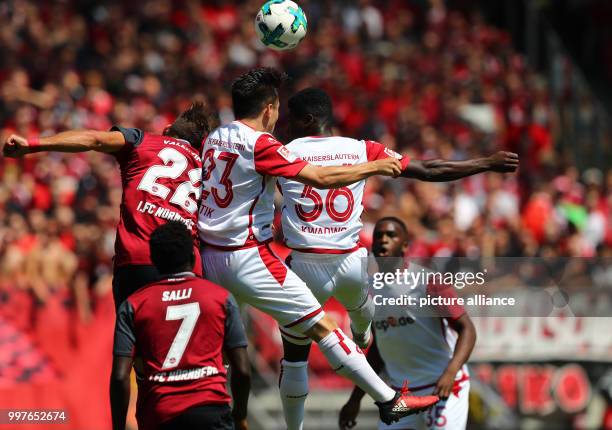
{"points": [[451, 312], [378, 151], [272, 158]]}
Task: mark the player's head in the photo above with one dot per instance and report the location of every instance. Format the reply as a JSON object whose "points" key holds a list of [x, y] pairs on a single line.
{"points": [[192, 125], [310, 113], [255, 95], [171, 247], [390, 238]]}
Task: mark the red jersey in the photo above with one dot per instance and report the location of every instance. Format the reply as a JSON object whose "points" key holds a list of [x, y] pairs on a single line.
{"points": [[161, 179], [176, 329]]}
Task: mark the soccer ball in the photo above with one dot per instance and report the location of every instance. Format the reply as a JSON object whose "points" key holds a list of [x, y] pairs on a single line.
{"points": [[281, 24]]}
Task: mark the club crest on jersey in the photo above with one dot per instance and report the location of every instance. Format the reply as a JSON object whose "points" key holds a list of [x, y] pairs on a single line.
{"points": [[286, 154], [392, 153]]}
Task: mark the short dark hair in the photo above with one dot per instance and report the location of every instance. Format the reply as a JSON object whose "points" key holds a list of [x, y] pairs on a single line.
{"points": [[192, 125], [394, 220], [253, 90], [171, 247], [315, 102]]}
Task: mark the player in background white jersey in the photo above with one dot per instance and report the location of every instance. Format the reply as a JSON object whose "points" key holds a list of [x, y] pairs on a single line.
{"points": [[322, 227], [240, 163], [411, 344]]}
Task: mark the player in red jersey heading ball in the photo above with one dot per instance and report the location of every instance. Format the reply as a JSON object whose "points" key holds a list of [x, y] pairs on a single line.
{"points": [[161, 177]]}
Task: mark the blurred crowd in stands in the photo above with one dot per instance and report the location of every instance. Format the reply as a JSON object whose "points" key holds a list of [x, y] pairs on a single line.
{"points": [[416, 76]]}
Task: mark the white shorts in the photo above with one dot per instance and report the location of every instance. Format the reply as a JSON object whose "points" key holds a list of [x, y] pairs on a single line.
{"points": [[343, 276], [258, 277], [449, 414]]}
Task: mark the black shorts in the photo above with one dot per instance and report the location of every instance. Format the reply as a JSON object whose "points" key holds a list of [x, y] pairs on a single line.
{"points": [[205, 417], [127, 279]]}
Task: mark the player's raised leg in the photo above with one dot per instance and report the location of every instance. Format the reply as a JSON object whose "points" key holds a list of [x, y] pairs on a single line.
{"points": [[258, 277], [348, 360]]}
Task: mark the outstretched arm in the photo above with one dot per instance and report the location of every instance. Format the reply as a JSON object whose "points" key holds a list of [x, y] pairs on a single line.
{"points": [[341, 176], [446, 170], [274, 159], [67, 141]]}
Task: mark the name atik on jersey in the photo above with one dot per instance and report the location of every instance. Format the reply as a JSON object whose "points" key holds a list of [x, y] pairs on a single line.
{"points": [[206, 211]]}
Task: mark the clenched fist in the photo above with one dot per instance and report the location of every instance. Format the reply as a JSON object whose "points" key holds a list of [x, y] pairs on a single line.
{"points": [[15, 146]]}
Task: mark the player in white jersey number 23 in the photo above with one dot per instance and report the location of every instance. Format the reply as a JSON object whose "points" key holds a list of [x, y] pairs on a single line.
{"points": [[241, 161]]}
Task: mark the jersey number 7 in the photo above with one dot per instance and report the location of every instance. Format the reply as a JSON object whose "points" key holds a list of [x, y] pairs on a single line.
{"points": [[189, 313]]}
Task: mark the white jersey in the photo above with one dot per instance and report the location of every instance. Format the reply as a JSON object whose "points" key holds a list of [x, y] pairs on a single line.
{"points": [[414, 347], [327, 221], [239, 166]]}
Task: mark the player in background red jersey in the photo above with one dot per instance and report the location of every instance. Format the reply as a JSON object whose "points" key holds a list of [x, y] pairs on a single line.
{"points": [[174, 331], [160, 174]]}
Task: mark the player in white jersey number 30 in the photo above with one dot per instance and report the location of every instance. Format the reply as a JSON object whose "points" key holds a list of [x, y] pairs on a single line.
{"points": [[322, 227], [240, 163]]}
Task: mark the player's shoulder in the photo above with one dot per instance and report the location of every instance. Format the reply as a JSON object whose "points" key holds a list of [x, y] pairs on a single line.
{"points": [[310, 145], [184, 286], [238, 133], [313, 140]]}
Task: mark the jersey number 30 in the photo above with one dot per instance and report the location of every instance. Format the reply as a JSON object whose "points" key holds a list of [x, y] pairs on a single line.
{"points": [[189, 313]]}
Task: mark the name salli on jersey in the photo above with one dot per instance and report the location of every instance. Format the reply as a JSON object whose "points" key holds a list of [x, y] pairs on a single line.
{"points": [[322, 230], [169, 296], [164, 213]]}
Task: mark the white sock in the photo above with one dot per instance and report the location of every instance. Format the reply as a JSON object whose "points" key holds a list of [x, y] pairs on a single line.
{"points": [[361, 318], [293, 384], [349, 361]]}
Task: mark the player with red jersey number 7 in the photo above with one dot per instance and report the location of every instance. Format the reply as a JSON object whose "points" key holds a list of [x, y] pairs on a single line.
{"points": [[175, 332], [160, 174], [241, 162]]}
